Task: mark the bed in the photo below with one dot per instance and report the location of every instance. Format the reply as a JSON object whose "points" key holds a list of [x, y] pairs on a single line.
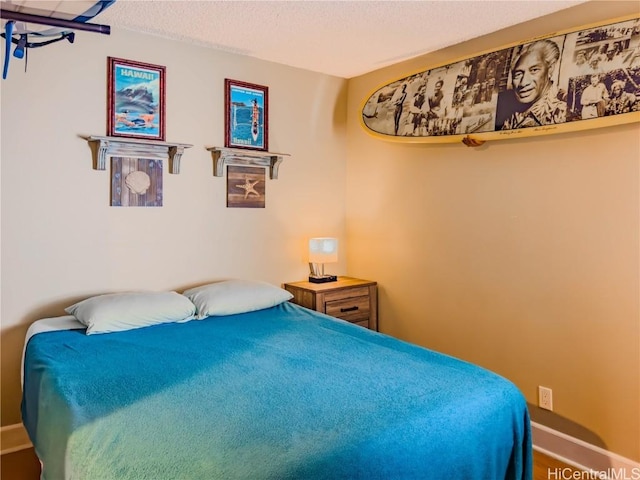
{"points": [[280, 392]]}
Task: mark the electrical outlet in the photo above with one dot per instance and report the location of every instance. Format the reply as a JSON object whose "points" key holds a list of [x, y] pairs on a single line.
{"points": [[545, 398]]}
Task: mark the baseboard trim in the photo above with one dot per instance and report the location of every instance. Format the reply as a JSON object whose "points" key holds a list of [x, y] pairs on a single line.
{"points": [[13, 438], [582, 455]]}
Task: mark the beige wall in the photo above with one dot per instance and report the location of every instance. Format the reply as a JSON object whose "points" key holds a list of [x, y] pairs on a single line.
{"points": [[521, 255], [60, 239]]}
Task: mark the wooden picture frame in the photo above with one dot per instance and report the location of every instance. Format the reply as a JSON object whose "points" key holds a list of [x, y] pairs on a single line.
{"points": [[246, 187], [136, 182], [246, 117], [135, 99]]}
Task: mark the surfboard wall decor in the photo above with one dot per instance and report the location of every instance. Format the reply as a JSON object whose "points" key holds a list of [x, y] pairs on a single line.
{"points": [[573, 80]]}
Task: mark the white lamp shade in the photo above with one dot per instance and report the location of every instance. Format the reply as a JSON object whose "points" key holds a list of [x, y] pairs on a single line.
{"points": [[323, 250]]}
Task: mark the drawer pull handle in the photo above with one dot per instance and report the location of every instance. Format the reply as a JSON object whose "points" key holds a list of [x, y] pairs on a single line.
{"points": [[349, 309]]}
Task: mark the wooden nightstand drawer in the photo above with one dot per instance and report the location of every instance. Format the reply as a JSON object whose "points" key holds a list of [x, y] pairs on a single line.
{"points": [[346, 293], [353, 309]]}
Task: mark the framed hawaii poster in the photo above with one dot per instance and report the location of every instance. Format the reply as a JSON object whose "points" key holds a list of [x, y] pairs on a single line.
{"points": [[246, 115], [136, 99]]}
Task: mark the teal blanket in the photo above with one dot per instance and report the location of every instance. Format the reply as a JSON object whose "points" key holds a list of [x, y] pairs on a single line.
{"points": [[282, 393]]}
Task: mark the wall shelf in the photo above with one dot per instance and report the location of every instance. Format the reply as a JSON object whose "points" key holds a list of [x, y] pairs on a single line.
{"points": [[236, 156], [103, 147]]}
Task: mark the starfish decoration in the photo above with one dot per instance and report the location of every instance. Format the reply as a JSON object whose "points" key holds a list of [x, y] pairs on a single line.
{"points": [[248, 187]]}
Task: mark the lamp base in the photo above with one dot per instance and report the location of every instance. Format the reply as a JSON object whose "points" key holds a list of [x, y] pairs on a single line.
{"points": [[322, 278]]}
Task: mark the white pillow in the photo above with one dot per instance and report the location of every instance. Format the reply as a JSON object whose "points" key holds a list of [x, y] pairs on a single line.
{"points": [[235, 296], [115, 312]]}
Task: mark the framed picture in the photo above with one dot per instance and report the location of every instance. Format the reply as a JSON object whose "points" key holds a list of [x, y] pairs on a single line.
{"points": [[246, 120], [136, 99]]}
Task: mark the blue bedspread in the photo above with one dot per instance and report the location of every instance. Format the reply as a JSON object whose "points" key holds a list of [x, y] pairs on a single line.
{"points": [[283, 393]]}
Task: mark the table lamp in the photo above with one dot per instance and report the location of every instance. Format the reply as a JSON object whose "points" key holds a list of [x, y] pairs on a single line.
{"points": [[322, 250]]}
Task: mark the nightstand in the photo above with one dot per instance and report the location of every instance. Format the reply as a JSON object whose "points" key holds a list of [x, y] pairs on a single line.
{"points": [[350, 299]]}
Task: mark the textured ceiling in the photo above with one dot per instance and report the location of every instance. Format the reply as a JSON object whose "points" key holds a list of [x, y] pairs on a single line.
{"points": [[342, 38]]}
